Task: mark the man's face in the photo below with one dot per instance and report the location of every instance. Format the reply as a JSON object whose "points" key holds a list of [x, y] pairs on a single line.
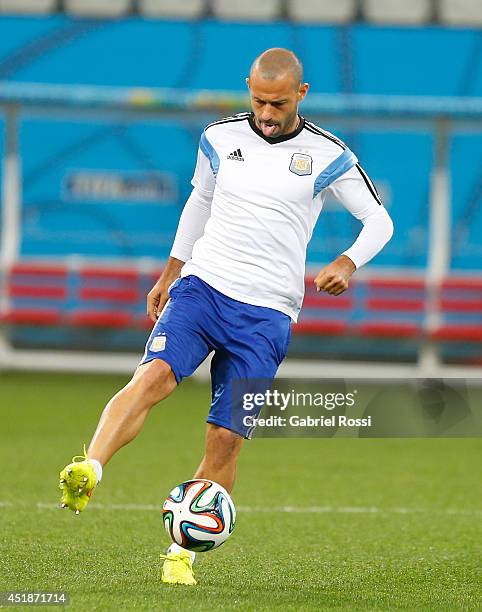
{"points": [[275, 103]]}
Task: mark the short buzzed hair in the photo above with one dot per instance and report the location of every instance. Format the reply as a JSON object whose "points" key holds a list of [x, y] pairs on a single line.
{"points": [[277, 62]]}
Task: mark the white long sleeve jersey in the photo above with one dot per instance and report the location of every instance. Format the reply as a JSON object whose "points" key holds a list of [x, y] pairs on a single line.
{"points": [[246, 226]]}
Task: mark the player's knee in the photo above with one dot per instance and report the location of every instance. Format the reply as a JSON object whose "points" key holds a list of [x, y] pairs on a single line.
{"points": [[154, 380]]}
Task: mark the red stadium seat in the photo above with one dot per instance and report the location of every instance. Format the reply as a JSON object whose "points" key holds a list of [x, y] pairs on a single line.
{"points": [[38, 269], [460, 305], [104, 272], [92, 318], [103, 296], [32, 316], [106, 297], [36, 292], [399, 299], [396, 283], [320, 328], [326, 301], [114, 298], [461, 296], [400, 305], [470, 284], [388, 329], [463, 333]]}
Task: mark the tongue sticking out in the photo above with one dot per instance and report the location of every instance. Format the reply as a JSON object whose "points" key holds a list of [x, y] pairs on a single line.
{"points": [[268, 130]]}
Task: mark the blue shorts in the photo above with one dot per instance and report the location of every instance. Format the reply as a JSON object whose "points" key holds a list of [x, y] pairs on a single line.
{"points": [[249, 342]]}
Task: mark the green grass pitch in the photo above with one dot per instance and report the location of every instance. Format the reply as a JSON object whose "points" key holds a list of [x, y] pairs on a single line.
{"points": [[376, 524]]}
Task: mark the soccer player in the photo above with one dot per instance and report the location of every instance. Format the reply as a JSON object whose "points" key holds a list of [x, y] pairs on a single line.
{"points": [[234, 281]]}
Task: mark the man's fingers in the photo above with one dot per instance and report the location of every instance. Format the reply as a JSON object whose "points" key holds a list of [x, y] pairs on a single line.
{"points": [[334, 285], [152, 304], [336, 289], [334, 278], [155, 303], [331, 282], [160, 306], [321, 280]]}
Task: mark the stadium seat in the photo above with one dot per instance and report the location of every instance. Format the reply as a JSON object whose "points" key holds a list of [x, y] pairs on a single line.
{"points": [[341, 11], [393, 308], [247, 10], [172, 9], [98, 8], [28, 6], [394, 11], [460, 305], [460, 12], [107, 297], [388, 329], [36, 293], [322, 327]]}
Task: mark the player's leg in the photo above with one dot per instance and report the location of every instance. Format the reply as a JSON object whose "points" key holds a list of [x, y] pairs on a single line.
{"points": [[240, 353], [247, 363], [124, 415], [174, 350], [121, 421], [218, 464], [220, 457]]}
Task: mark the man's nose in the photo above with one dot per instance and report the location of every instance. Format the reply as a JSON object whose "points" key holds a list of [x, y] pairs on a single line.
{"points": [[266, 113]]}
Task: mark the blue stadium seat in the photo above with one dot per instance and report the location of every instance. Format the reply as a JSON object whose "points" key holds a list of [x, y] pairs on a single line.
{"points": [[380, 68], [215, 69], [466, 183], [62, 50]]}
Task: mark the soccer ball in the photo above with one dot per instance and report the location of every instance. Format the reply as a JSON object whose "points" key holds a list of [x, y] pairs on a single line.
{"points": [[199, 515]]}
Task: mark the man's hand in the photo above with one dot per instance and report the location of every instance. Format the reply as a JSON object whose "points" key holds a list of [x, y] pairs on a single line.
{"points": [[156, 299], [158, 295], [334, 277]]}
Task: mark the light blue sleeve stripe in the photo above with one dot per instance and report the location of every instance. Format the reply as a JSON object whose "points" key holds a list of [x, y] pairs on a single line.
{"points": [[208, 150], [339, 166]]}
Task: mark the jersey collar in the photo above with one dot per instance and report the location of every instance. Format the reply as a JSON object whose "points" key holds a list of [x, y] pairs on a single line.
{"points": [[275, 139]]}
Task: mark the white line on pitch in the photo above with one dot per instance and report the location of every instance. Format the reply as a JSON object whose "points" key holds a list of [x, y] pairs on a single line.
{"points": [[274, 509]]}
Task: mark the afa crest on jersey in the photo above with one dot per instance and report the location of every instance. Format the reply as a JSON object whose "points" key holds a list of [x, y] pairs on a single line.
{"points": [[301, 164]]}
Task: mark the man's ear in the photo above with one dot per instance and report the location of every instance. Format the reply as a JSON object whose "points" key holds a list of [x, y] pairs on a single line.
{"points": [[303, 90], [247, 82]]}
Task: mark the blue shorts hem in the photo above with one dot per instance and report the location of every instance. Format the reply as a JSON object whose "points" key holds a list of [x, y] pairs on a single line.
{"points": [[221, 423], [150, 358]]}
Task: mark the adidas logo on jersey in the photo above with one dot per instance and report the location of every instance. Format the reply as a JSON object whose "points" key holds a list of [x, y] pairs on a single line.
{"points": [[236, 155]]}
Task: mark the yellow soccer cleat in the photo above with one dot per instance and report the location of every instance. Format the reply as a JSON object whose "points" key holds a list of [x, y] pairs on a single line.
{"points": [[77, 483], [177, 568]]}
